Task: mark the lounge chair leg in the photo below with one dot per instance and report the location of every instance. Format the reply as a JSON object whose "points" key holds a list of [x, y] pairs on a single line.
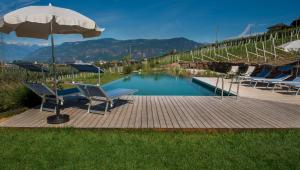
{"points": [[297, 92], [89, 107], [42, 104], [230, 86], [274, 87], [106, 107], [41, 108], [255, 84]]}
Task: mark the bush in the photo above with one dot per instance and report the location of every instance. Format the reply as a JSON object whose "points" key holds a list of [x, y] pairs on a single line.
{"points": [[13, 96], [127, 69]]}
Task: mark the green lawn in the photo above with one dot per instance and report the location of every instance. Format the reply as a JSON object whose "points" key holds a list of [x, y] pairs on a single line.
{"points": [[116, 149]]}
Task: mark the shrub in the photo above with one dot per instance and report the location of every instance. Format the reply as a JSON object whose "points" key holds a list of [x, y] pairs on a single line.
{"points": [[127, 69], [13, 96]]}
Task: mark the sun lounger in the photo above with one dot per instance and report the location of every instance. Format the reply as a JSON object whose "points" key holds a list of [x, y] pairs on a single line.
{"points": [[248, 73], [279, 77], [233, 71], [280, 83], [96, 93], [295, 86], [48, 95], [262, 74]]}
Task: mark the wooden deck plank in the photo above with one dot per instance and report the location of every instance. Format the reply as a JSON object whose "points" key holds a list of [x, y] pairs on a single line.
{"points": [[202, 113], [144, 113], [164, 113], [150, 121], [133, 116], [177, 101], [156, 121], [128, 113], [76, 117], [174, 112], [261, 112], [192, 113], [232, 114], [176, 123], [122, 115], [216, 113], [201, 102], [138, 118], [180, 115], [115, 116], [159, 113], [247, 120]]}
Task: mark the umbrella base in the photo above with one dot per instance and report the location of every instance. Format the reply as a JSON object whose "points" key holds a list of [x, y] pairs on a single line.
{"points": [[58, 119]]}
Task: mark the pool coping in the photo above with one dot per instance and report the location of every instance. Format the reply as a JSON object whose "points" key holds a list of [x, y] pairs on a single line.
{"points": [[226, 92]]}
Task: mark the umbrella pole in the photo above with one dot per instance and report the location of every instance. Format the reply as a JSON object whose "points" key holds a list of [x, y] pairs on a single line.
{"points": [[57, 110], [57, 118], [297, 68]]}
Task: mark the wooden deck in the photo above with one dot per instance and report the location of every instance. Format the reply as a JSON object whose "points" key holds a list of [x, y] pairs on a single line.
{"points": [[165, 112]]}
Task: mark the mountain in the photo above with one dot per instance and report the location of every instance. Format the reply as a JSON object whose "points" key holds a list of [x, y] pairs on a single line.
{"points": [[112, 49], [16, 51]]}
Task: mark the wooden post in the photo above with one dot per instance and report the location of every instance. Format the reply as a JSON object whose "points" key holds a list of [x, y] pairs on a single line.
{"points": [[274, 49], [263, 45], [247, 54]]}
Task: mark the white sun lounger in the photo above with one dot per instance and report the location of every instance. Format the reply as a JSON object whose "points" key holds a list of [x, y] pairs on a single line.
{"points": [[248, 73], [281, 83], [279, 77]]}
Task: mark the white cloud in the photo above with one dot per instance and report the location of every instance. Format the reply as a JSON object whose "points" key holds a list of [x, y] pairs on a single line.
{"points": [[26, 43], [247, 30]]}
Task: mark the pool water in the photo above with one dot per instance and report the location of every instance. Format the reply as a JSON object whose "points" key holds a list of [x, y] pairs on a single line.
{"points": [[161, 84]]}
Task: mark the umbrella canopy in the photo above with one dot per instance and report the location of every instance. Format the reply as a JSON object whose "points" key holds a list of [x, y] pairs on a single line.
{"points": [[41, 21], [291, 46]]}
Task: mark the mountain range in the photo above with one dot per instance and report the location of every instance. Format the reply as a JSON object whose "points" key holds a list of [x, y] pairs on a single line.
{"points": [[111, 49], [101, 49], [11, 52]]}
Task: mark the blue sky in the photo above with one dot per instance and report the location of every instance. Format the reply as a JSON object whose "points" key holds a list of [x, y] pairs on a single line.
{"points": [[194, 19]]}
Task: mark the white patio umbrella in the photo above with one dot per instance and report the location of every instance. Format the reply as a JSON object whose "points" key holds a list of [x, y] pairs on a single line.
{"points": [[293, 46], [42, 21]]}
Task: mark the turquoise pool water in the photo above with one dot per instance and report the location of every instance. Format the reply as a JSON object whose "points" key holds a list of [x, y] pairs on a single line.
{"points": [[161, 84]]}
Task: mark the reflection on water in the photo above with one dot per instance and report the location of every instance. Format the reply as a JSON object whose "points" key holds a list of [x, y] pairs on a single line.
{"points": [[127, 78]]}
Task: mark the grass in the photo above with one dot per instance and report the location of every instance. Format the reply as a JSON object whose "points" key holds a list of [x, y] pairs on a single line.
{"points": [[116, 149], [93, 78]]}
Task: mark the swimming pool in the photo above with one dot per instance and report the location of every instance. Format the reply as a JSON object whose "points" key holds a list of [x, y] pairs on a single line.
{"points": [[161, 84]]}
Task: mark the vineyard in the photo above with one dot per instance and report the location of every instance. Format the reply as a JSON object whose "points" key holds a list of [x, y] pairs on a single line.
{"points": [[258, 49]]}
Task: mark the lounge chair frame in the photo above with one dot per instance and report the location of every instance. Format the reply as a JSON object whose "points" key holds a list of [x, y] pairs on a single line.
{"points": [[45, 93], [96, 93]]}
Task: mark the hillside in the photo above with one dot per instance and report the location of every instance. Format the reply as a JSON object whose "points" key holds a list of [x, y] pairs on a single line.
{"points": [[13, 52], [112, 49], [257, 49]]}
